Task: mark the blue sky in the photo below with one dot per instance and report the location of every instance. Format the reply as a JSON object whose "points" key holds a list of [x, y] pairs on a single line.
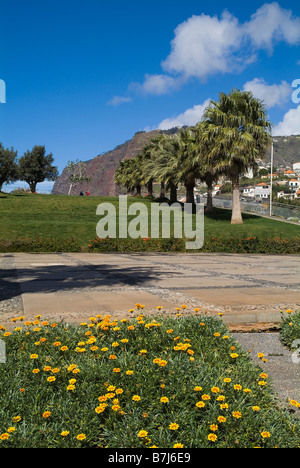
{"points": [[83, 76]]}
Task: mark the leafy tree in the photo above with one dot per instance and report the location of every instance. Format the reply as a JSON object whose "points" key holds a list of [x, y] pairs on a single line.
{"points": [[237, 131], [8, 165], [35, 167], [77, 173]]}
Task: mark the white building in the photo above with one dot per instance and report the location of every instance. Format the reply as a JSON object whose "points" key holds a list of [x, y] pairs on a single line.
{"points": [[296, 167], [248, 191], [294, 184], [262, 191]]}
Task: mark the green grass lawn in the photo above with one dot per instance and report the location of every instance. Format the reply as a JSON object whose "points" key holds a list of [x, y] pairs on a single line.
{"points": [[62, 217]]}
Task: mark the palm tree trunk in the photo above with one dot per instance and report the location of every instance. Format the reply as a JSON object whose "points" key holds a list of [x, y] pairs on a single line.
{"points": [[138, 189], [150, 188], [173, 192], [162, 190], [189, 187], [209, 204], [236, 216]]}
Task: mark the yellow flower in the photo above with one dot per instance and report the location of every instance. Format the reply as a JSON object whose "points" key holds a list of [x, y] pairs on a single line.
{"points": [[221, 419], [71, 367], [227, 380], [215, 389], [129, 372], [265, 434], [263, 375], [136, 398], [51, 379], [212, 437], [64, 348], [116, 407], [200, 404], [57, 343], [237, 387], [17, 419], [178, 445], [71, 387], [256, 408], [142, 434], [173, 426], [237, 414], [197, 388], [65, 433], [234, 355], [205, 397], [100, 408], [164, 399], [213, 427], [162, 363], [81, 437], [46, 414], [11, 430], [36, 371], [34, 356], [4, 436]]}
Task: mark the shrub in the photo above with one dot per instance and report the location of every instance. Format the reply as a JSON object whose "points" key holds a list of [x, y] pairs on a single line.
{"points": [[290, 327], [149, 382]]}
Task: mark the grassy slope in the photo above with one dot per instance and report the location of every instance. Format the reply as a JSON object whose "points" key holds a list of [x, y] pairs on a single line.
{"points": [[63, 217]]}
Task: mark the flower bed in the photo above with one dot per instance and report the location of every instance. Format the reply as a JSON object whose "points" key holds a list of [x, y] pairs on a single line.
{"points": [[179, 381], [290, 328]]}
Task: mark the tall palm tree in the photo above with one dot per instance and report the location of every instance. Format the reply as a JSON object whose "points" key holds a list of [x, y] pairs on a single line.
{"points": [[238, 131], [208, 173], [163, 164]]}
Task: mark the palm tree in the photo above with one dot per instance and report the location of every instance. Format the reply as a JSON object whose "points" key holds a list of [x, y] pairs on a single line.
{"points": [[124, 174], [237, 130], [208, 173], [163, 164]]}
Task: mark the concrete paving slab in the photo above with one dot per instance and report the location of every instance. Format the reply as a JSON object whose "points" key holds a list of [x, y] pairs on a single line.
{"points": [[249, 288]]}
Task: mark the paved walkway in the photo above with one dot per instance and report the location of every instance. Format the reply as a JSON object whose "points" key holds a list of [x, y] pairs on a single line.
{"points": [[247, 289], [282, 366]]}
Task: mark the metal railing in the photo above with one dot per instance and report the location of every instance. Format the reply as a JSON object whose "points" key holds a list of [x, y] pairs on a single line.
{"points": [[262, 208]]}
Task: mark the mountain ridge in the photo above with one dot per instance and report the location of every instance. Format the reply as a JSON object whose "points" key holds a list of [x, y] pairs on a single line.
{"points": [[101, 168]]}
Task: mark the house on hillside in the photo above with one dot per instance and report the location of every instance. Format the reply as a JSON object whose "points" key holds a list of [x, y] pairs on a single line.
{"points": [[289, 173], [294, 184], [296, 167], [262, 191], [248, 191]]}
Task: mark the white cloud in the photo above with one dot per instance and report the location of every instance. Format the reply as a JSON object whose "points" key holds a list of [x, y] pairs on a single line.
{"points": [[206, 45], [271, 24], [117, 100], [157, 84], [272, 95], [290, 124], [190, 117]]}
